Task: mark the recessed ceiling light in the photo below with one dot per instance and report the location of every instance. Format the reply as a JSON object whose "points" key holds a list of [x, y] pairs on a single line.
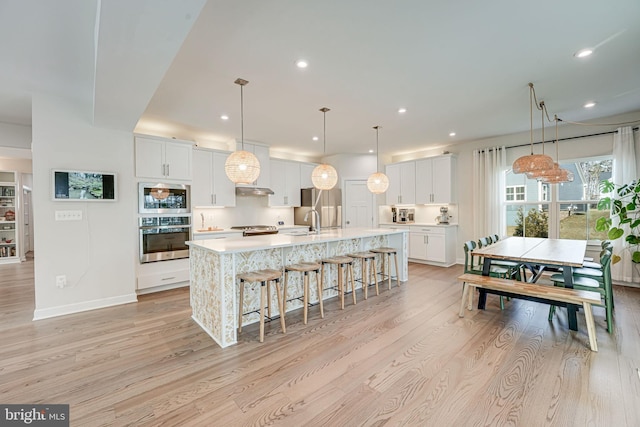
{"points": [[589, 105], [583, 53], [315, 138], [371, 151], [452, 134], [224, 117], [301, 63], [402, 110]]}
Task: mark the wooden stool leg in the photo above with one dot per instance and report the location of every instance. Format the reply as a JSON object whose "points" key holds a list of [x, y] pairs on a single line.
{"points": [[364, 277], [319, 284], [241, 306], [269, 299], [284, 294], [372, 273], [263, 295], [281, 308], [305, 298], [395, 259], [340, 286], [353, 283], [388, 257]]}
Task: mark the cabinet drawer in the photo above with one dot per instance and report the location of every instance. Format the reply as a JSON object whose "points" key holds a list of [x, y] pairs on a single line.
{"points": [[427, 229], [166, 278]]}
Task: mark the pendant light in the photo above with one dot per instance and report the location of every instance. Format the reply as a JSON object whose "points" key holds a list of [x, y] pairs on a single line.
{"points": [[324, 176], [377, 182], [532, 162], [242, 167], [557, 175]]}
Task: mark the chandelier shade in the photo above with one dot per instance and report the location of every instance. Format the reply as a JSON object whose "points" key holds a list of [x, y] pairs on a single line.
{"points": [[159, 193], [377, 182], [532, 162], [324, 176], [242, 167]]}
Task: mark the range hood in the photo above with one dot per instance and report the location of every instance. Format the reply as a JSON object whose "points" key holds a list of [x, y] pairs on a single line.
{"points": [[253, 191]]}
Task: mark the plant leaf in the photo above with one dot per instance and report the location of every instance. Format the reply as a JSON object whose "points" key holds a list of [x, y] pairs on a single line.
{"points": [[604, 203], [603, 223], [615, 233], [615, 259], [631, 206], [636, 256], [606, 186]]}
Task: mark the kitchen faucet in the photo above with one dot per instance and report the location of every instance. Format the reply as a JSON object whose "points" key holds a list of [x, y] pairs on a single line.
{"points": [[317, 215]]}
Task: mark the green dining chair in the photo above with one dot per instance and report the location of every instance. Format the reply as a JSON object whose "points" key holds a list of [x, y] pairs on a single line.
{"points": [[470, 266]]}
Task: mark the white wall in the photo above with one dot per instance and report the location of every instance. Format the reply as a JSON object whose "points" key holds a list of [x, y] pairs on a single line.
{"points": [[249, 210], [15, 136], [97, 253]]}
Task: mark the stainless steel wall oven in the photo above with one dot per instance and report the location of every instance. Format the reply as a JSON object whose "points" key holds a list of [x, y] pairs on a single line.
{"points": [[164, 237]]}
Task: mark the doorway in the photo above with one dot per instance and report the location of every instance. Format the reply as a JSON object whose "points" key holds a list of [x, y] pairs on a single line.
{"points": [[359, 203]]}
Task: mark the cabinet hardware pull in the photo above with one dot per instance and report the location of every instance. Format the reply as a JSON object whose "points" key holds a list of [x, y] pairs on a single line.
{"points": [[168, 173], [215, 199], [168, 278]]}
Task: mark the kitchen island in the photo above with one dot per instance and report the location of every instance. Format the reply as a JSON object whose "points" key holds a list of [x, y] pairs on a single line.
{"points": [[214, 264]]}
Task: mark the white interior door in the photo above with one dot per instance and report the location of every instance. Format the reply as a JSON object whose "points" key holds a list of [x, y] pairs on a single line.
{"points": [[359, 204]]}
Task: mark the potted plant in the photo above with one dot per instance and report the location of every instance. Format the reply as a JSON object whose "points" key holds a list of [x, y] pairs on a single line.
{"points": [[624, 203]]}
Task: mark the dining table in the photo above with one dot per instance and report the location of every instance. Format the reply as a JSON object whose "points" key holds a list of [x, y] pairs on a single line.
{"points": [[537, 253]]}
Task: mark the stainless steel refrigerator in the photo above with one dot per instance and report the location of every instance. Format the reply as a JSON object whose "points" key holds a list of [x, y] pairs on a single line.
{"points": [[329, 207]]}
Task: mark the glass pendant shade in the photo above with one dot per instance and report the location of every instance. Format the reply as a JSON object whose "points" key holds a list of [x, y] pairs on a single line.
{"points": [[378, 183], [242, 167], [324, 177]]}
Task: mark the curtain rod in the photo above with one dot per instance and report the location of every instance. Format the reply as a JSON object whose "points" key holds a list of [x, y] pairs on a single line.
{"points": [[567, 138]]}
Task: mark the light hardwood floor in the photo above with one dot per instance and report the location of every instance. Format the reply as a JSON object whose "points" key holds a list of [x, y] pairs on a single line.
{"points": [[401, 358]]}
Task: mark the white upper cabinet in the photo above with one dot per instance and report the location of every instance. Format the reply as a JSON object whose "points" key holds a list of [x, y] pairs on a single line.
{"points": [[402, 183], [435, 180], [163, 158], [262, 153], [285, 183], [210, 186], [305, 174]]}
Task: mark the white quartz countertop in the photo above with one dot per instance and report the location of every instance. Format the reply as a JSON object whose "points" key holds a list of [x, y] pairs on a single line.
{"points": [[416, 224], [269, 241]]}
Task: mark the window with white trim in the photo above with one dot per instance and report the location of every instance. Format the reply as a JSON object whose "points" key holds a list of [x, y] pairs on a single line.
{"points": [[516, 192]]}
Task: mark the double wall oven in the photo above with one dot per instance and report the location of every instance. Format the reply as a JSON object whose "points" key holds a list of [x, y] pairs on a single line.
{"points": [[165, 221]]}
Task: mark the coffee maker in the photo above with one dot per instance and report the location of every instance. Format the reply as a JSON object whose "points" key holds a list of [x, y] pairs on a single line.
{"points": [[406, 215]]}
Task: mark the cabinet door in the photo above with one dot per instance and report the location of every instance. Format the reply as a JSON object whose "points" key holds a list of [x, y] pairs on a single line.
{"points": [[393, 192], [293, 186], [443, 177], [408, 183], [418, 245], [150, 158], [424, 181], [436, 248], [201, 186], [178, 160], [278, 183], [262, 153], [224, 191], [305, 175]]}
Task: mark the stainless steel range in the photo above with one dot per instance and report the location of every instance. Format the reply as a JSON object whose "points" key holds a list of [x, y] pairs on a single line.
{"points": [[256, 230]]}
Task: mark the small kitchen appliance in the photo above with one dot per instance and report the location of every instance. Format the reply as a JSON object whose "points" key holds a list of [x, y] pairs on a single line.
{"points": [[406, 215], [444, 216]]}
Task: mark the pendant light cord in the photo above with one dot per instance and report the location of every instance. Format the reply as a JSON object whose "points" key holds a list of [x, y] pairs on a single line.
{"points": [[324, 129], [242, 116], [377, 148]]}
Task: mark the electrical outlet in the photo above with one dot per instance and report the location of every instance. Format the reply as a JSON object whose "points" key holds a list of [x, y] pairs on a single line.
{"points": [[68, 215], [61, 281]]}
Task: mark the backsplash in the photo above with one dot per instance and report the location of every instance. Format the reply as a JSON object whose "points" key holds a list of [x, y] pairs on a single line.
{"points": [[248, 211]]}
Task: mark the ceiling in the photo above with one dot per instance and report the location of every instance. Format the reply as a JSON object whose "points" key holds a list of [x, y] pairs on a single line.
{"points": [[169, 68]]}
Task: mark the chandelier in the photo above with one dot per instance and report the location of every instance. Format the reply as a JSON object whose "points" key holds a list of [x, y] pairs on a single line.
{"points": [[377, 182], [324, 176], [242, 167], [532, 162]]}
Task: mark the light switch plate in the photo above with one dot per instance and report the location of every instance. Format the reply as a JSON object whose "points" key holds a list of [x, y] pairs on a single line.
{"points": [[68, 215]]}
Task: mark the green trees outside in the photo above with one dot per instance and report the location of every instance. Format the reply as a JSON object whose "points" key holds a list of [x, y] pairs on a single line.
{"points": [[536, 224]]}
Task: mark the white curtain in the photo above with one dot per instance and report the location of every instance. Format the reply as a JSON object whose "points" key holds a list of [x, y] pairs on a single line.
{"points": [[624, 171], [489, 166]]}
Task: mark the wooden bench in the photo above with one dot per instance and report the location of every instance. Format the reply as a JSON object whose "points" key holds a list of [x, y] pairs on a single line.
{"points": [[540, 293]]}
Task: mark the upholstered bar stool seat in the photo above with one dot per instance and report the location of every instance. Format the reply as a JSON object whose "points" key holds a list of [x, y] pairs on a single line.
{"points": [[385, 271], [305, 268], [264, 277], [368, 264], [341, 262]]}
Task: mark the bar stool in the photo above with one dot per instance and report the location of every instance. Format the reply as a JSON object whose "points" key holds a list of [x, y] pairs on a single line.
{"points": [[264, 277], [341, 262], [306, 268], [368, 264], [388, 252]]}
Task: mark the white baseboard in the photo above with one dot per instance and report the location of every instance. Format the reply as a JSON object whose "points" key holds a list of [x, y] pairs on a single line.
{"points": [[62, 310], [163, 288]]}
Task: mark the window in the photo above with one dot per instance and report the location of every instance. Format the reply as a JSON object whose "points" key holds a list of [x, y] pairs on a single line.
{"points": [[516, 192], [565, 211]]}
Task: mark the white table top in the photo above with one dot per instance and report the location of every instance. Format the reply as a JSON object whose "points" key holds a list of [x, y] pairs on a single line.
{"points": [[563, 252], [269, 241]]}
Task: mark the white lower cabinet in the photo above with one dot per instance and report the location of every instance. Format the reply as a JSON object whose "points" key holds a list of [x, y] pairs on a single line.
{"points": [[433, 244], [162, 275]]}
